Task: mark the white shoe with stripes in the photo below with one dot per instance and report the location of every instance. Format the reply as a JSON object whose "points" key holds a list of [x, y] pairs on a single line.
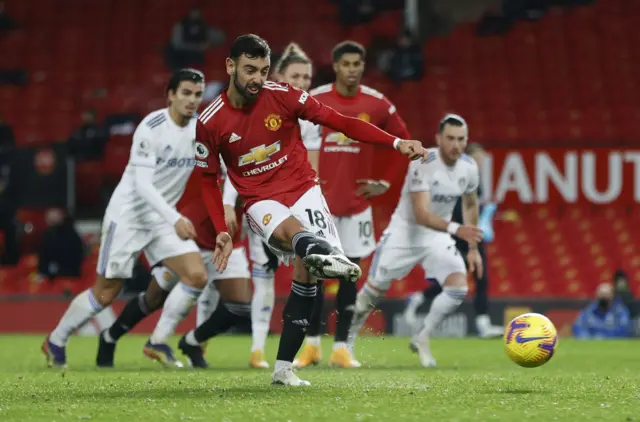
{"points": [[332, 267]]}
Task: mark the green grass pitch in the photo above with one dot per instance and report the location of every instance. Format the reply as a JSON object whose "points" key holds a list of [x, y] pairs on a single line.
{"points": [[475, 381]]}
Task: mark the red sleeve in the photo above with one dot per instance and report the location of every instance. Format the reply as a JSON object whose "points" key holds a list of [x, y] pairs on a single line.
{"points": [[208, 165], [395, 125], [308, 108]]}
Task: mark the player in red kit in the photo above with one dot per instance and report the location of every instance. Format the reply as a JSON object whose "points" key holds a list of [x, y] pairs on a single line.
{"points": [[346, 175], [254, 127]]}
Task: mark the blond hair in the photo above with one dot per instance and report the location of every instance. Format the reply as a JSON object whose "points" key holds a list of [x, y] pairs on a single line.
{"points": [[292, 54]]}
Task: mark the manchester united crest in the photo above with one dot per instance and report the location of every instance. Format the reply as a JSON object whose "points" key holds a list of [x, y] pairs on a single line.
{"points": [[266, 219], [273, 122], [365, 117]]}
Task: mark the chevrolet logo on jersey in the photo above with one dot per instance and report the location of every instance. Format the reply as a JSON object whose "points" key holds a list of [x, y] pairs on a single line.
{"points": [[259, 155], [339, 138]]}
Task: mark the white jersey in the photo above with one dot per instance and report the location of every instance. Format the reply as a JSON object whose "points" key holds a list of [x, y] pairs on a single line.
{"points": [[445, 185], [169, 149], [311, 135]]}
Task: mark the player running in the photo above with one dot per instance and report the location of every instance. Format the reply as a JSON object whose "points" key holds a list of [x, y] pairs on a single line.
{"points": [[141, 214], [166, 290], [254, 126], [420, 232], [345, 170]]}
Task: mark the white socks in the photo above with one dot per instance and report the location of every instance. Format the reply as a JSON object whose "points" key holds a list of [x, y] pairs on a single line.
{"points": [[366, 300], [82, 308], [176, 308], [445, 303], [207, 303], [262, 304], [281, 364], [313, 340]]}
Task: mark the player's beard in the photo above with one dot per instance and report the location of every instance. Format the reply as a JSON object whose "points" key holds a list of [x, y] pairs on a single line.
{"points": [[248, 96]]}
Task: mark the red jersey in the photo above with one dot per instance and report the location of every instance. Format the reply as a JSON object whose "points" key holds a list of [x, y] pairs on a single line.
{"points": [[192, 206], [262, 146], [343, 161]]}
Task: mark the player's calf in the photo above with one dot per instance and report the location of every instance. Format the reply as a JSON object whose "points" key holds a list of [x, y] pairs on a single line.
{"points": [[366, 300], [134, 311], [228, 314], [82, 308], [454, 290], [296, 316]]}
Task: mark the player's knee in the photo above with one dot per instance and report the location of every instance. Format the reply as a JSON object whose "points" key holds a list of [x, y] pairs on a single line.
{"points": [[286, 230], [196, 278], [456, 280], [106, 290], [155, 299], [457, 291]]}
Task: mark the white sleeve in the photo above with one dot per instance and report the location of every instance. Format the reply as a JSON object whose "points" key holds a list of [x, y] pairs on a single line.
{"points": [[417, 180], [143, 163], [474, 179], [311, 135], [229, 193]]}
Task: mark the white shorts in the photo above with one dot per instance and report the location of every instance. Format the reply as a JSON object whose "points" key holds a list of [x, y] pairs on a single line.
{"points": [[120, 246], [356, 234], [311, 210], [238, 267], [397, 253], [257, 253]]}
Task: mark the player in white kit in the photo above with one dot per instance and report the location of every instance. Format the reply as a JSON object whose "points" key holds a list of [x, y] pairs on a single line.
{"points": [[294, 67], [141, 215], [420, 233]]}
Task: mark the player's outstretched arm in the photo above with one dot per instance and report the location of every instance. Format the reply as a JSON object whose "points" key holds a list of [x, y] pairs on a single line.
{"points": [[311, 109]]}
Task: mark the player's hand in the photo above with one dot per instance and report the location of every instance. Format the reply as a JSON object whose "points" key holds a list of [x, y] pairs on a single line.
{"points": [[370, 188], [475, 262], [231, 219], [222, 252], [471, 234], [184, 229], [412, 149]]}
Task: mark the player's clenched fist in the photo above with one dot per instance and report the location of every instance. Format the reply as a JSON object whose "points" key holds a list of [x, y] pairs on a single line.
{"points": [[224, 247], [185, 229], [412, 149]]}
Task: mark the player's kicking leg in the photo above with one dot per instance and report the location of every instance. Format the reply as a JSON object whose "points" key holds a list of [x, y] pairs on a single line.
{"points": [[445, 264], [137, 309], [265, 264], [119, 248], [300, 230]]}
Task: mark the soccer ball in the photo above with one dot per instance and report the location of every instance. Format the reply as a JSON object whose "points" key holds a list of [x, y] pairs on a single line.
{"points": [[530, 340]]}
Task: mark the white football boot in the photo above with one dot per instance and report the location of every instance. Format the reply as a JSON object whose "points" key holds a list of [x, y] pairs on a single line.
{"points": [[421, 347], [332, 266], [286, 376]]}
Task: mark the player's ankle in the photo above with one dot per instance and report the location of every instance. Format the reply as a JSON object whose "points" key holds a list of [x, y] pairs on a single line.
{"points": [[313, 341]]}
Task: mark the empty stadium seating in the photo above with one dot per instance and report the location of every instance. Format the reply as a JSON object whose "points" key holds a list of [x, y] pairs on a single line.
{"points": [[556, 81]]}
